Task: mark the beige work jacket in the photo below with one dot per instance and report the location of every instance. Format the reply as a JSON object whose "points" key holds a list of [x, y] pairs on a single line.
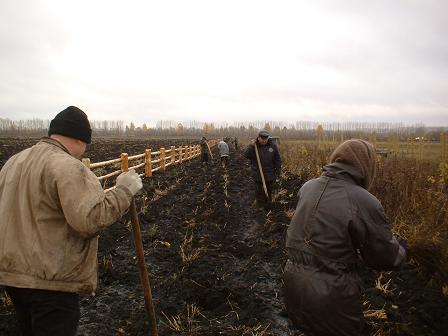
{"points": [[52, 208]]}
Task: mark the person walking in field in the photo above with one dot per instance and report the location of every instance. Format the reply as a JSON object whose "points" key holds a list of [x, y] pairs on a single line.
{"points": [[337, 222], [270, 164], [53, 208], [223, 149], [204, 150]]}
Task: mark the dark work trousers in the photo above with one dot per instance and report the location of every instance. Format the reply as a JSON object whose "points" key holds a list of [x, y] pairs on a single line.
{"points": [[260, 195], [44, 312], [204, 157], [224, 160]]}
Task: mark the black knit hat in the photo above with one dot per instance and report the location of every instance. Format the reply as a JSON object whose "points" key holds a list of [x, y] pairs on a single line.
{"points": [[71, 122]]}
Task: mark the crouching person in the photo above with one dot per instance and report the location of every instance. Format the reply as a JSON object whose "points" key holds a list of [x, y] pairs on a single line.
{"points": [[53, 208], [335, 220]]}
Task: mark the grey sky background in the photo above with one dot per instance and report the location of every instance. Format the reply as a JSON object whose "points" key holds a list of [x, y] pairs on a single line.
{"points": [[207, 60]]}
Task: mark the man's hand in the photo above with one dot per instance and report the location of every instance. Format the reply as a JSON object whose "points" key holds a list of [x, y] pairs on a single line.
{"points": [[130, 180]]}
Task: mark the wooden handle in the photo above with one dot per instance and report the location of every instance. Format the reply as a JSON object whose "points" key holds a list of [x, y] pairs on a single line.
{"points": [[144, 276], [209, 150], [261, 170]]}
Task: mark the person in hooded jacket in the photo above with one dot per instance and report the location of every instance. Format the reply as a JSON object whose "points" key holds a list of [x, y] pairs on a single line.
{"points": [[336, 222], [270, 164], [53, 208], [204, 150], [223, 149]]}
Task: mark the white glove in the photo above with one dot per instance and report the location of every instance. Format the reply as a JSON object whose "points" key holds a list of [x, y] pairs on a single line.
{"points": [[130, 180]]}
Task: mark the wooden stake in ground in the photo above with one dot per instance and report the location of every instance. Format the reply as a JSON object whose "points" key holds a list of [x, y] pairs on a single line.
{"points": [[144, 277], [261, 170]]}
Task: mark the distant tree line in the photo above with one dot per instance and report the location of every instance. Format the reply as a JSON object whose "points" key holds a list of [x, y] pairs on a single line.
{"points": [[196, 129]]}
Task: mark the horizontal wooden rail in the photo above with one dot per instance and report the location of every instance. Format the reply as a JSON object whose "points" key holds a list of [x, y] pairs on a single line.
{"points": [[138, 156], [104, 163], [160, 162]]}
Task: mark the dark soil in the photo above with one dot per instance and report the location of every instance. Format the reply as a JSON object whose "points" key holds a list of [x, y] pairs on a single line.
{"points": [[215, 261]]}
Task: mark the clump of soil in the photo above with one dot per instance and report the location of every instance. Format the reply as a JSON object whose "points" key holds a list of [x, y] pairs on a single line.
{"points": [[215, 263]]}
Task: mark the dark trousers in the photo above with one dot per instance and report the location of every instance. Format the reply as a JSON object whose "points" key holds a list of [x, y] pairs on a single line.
{"points": [[260, 195], [224, 160], [45, 313], [204, 157]]}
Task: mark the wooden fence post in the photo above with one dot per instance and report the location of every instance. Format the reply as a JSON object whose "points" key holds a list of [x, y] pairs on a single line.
{"points": [[173, 155], [162, 159], [148, 166], [180, 154], [124, 162]]}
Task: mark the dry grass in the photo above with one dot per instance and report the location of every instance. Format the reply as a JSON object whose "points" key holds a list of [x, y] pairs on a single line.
{"points": [[186, 322], [4, 297], [384, 285], [187, 253], [257, 330]]}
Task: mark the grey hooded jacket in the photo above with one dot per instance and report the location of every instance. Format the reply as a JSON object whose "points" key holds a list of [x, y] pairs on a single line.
{"points": [[223, 148], [335, 223]]}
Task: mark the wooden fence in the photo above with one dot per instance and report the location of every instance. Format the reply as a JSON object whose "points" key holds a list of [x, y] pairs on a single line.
{"points": [[150, 161]]}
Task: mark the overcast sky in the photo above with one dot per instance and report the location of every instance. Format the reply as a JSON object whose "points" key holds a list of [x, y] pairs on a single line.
{"points": [[240, 60]]}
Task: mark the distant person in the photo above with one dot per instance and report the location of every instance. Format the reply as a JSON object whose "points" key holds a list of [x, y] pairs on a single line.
{"points": [[336, 219], [223, 149], [204, 150], [270, 164], [53, 208], [235, 141]]}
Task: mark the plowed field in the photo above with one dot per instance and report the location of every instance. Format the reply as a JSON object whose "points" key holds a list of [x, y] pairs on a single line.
{"points": [[216, 261]]}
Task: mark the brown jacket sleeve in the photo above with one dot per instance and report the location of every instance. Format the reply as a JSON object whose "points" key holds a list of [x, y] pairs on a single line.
{"points": [[87, 208]]}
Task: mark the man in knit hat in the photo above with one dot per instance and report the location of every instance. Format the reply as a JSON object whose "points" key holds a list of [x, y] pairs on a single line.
{"points": [[52, 209], [336, 223], [270, 163]]}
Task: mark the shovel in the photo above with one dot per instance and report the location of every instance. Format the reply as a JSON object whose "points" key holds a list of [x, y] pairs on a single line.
{"points": [[144, 277], [261, 171], [209, 150]]}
